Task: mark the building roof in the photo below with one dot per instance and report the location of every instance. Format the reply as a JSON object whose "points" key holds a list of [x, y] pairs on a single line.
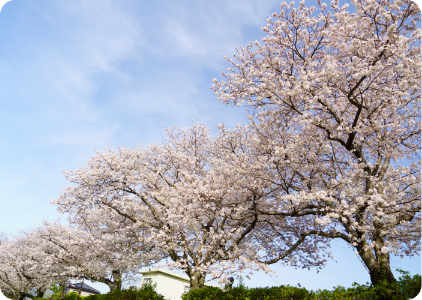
{"points": [[144, 272], [85, 287]]}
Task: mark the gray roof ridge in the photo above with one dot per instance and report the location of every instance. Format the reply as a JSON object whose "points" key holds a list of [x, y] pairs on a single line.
{"points": [[85, 287]]}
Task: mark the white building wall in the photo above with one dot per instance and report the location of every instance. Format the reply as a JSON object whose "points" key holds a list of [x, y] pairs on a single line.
{"points": [[169, 286]]}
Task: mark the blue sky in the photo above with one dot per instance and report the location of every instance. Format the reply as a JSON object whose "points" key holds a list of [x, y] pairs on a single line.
{"points": [[83, 75]]}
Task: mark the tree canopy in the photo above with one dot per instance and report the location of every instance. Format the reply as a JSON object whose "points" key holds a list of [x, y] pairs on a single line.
{"points": [[331, 151]]}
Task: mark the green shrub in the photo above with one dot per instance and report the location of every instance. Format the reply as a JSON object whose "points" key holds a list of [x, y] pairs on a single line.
{"points": [[206, 293], [409, 287], [243, 293], [73, 296], [147, 292], [406, 288], [69, 296]]}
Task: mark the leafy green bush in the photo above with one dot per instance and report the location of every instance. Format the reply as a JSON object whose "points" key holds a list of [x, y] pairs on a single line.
{"points": [[243, 293], [70, 296], [147, 292], [73, 296], [407, 287], [206, 293]]}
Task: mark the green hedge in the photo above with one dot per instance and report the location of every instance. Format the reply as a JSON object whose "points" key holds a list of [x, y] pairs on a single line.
{"points": [[406, 288], [242, 293], [69, 296], [73, 296], [145, 293]]}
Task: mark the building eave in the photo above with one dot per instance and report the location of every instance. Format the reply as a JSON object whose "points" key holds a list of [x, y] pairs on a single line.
{"points": [[144, 272]]}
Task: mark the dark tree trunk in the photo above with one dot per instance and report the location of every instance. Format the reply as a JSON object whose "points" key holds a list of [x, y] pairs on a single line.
{"points": [[62, 289], [117, 281], [197, 280], [381, 272], [40, 293], [378, 265]]}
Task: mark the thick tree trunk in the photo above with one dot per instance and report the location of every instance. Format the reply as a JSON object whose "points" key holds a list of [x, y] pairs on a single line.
{"points": [[117, 281], [197, 280], [378, 266], [62, 288], [380, 272], [40, 293]]}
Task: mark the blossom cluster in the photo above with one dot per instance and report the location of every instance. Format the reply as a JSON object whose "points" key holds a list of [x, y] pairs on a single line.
{"points": [[332, 150]]}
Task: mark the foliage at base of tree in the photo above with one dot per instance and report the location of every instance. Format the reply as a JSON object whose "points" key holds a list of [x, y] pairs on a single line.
{"points": [[407, 287], [147, 292], [69, 296]]}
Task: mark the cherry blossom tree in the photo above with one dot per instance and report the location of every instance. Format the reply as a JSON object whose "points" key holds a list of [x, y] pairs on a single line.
{"points": [[96, 252], [54, 254], [24, 270], [188, 198], [334, 99]]}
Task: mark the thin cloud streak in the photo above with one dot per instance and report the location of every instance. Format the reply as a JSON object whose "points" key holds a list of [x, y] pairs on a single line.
{"points": [[83, 75]]}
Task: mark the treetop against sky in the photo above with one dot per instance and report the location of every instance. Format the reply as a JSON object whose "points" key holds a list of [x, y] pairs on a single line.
{"points": [[331, 104]]}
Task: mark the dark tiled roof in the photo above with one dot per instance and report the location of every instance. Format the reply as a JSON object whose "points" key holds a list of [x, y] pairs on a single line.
{"points": [[85, 287]]}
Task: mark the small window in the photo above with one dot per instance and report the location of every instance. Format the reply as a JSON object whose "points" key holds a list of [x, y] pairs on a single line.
{"points": [[147, 281], [187, 289]]}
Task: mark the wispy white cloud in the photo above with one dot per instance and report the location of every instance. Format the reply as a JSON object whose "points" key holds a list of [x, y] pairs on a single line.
{"points": [[84, 40], [184, 43], [173, 43], [212, 28], [89, 74]]}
